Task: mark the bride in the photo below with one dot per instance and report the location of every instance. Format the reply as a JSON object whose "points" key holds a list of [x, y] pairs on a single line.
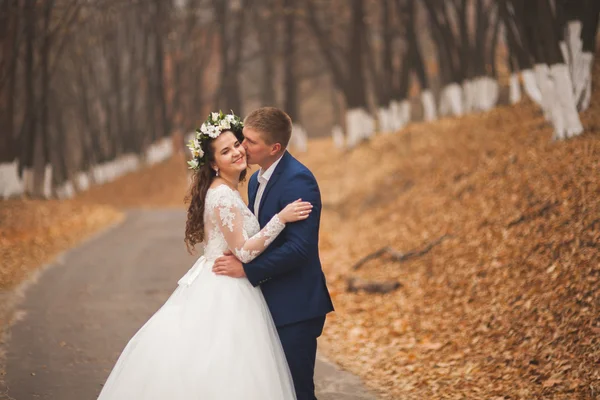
{"points": [[214, 338]]}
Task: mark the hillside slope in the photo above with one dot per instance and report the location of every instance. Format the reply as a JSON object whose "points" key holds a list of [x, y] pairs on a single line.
{"points": [[508, 305]]}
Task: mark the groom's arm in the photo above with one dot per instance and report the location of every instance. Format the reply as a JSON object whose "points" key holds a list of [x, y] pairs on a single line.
{"points": [[299, 236]]}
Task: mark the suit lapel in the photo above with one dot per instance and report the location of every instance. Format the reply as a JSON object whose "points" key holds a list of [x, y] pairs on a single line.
{"points": [[252, 191], [278, 170]]}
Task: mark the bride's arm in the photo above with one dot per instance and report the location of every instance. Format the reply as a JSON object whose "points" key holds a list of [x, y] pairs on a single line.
{"points": [[232, 226], [247, 249]]}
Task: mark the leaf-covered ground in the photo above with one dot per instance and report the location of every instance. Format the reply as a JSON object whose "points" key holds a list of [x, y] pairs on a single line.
{"points": [[33, 232], [507, 307]]}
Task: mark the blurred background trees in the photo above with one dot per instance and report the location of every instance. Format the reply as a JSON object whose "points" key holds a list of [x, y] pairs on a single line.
{"points": [[92, 89]]}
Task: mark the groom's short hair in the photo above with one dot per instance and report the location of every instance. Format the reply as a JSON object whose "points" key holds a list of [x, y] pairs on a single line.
{"points": [[273, 123]]}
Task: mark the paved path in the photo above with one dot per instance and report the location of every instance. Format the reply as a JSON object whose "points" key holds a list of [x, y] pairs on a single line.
{"points": [[84, 309]]}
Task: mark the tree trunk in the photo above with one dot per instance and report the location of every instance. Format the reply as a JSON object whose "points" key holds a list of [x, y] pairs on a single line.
{"points": [[41, 182], [267, 32], [289, 61], [554, 74], [229, 96], [9, 20], [356, 91], [582, 29], [160, 32], [28, 133], [348, 74], [448, 53]]}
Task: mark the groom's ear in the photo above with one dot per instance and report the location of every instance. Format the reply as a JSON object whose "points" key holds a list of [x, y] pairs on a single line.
{"points": [[276, 148]]}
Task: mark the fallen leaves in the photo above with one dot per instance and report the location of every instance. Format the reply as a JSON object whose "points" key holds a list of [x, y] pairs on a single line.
{"points": [[33, 232], [509, 305]]}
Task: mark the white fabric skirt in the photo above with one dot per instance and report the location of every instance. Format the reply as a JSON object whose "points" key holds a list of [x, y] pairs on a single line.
{"points": [[214, 338]]}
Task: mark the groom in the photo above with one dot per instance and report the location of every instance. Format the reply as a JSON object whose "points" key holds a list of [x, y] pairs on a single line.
{"points": [[289, 271]]}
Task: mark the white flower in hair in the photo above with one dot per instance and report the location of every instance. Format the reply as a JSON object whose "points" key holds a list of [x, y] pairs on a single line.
{"points": [[198, 152], [193, 163], [195, 147], [204, 128], [225, 124], [214, 131]]}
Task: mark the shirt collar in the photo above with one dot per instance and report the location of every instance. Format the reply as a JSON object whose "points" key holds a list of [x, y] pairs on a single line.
{"points": [[266, 175]]}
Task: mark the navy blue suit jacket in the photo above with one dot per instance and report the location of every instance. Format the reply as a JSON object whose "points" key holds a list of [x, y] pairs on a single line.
{"points": [[289, 270]]}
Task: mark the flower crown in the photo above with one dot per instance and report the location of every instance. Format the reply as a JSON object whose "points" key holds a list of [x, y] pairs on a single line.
{"points": [[215, 124]]}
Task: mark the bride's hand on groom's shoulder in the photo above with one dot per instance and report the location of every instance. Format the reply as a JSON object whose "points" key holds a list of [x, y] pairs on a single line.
{"points": [[229, 265], [297, 211]]}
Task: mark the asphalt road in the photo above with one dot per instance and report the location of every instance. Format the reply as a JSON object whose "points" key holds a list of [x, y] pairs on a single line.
{"points": [[83, 309]]}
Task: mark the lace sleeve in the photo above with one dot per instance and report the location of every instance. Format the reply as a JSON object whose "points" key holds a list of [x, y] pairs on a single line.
{"points": [[231, 223]]}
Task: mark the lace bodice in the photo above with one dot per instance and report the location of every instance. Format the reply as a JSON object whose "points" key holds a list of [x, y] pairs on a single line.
{"points": [[229, 224]]}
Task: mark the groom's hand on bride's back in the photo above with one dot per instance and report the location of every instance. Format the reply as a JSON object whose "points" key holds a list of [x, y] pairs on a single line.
{"points": [[229, 265]]}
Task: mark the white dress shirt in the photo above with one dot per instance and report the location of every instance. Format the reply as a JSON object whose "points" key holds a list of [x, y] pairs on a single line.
{"points": [[263, 179]]}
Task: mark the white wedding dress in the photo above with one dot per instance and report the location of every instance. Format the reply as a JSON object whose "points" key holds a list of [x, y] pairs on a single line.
{"points": [[214, 338]]}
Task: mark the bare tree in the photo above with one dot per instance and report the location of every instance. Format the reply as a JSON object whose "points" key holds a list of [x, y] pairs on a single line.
{"points": [[231, 23], [347, 66], [552, 45]]}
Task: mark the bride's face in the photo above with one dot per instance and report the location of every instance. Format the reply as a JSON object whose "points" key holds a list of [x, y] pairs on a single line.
{"points": [[230, 155]]}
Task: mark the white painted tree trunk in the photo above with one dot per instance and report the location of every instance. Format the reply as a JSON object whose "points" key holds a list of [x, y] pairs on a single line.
{"points": [[444, 109], [65, 191], [396, 121], [573, 47], [114, 169], [385, 119], [28, 183], [47, 188], [299, 139], [564, 94], [487, 92], [579, 64], [564, 49], [583, 101], [514, 94], [360, 125], [481, 90], [159, 151], [10, 183], [531, 87], [580, 68], [338, 137], [404, 110], [453, 93], [544, 83], [468, 95], [429, 111], [493, 91], [82, 181]]}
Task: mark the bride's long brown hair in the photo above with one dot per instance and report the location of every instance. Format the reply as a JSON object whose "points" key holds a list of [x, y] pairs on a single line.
{"points": [[201, 181]]}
